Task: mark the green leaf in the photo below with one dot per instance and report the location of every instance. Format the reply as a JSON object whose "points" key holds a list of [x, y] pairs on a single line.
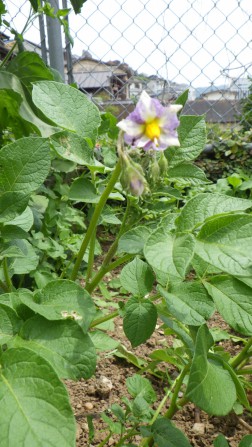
{"points": [[108, 216], [226, 243], [139, 321], [192, 137], [35, 4], [103, 342], [169, 254], [165, 434], [11, 82], [10, 323], [10, 102], [141, 409], [246, 441], [12, 204], [34, 399], [189, 303], [182, 253], [24, 220], [206, 205], [220, 441], [186, 173], [17, 265], [29, 67], [63, 299], [13, 300], [82, 190], [62, 343], [210, 385], [77, 5], [182, 99], [10, 232], [133, 240], [137, 277], [72, 147], [24, 165], [11, 252], [178, 330], [233, 301], [140, 386], [67, 107]]}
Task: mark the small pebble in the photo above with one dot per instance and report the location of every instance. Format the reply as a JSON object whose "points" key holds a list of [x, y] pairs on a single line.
{"points": [[78, 406], [199, 428], [88, 406]]}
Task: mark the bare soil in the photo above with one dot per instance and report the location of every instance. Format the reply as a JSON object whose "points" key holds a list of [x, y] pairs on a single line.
{"points": [[88, 397]]}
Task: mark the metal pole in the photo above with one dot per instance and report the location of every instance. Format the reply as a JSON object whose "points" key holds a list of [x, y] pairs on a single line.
{"points": [[55, 41], [42, 37], [69, 60]]}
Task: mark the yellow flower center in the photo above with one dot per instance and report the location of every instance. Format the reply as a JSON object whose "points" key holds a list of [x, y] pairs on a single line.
{"points": [[152, 130]]}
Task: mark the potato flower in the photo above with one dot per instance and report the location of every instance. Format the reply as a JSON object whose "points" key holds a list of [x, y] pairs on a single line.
{"points": [[151, 125]]}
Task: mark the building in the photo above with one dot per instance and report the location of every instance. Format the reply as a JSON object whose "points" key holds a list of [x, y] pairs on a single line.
{"points": [[222, 112], [220, 95], [103, 80]]}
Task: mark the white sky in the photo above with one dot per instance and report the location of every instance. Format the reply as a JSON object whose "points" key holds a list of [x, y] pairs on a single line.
{"points": [[187, 41]]}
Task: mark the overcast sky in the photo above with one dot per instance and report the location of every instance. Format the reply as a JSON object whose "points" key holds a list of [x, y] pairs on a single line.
{"points": [[188, 41]]}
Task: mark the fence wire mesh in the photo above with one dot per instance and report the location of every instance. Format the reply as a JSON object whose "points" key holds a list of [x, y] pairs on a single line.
{"points": [[122, 47]]}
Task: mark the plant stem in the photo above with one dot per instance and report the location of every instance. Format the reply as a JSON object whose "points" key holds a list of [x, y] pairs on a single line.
{"points": [[148, 442], [104, 318], [131, 433], [93, 222], [105, 267], [245, 371], [104, 442], [3, 286], [177, 385], [91, 258], [238, 359], [7, 276]]}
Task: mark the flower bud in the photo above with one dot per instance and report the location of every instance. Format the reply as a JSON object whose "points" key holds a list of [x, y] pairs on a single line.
{"points": [[132, 177], [163, 164], [155, 170]]}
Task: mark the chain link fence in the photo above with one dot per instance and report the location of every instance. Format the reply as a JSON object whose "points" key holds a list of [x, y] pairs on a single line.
{"points": [[122, 47]]}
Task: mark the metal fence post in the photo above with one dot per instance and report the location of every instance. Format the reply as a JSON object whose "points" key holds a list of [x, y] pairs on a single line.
{"points": [[69, 60], [42, 37], [55, 41]]}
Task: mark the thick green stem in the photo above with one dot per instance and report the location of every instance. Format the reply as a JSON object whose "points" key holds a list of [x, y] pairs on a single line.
{"points": [[93, 222], [174, 406], [7, 276], [104, 318], [177, 386], [3, 286], [91, 258], [238, 359], [105, 267]]}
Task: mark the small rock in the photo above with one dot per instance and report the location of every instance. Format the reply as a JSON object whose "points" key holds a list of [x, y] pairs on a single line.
{"points": [[199, 428], [78, 406], [88, 406], [104, 386], [84, 427]]}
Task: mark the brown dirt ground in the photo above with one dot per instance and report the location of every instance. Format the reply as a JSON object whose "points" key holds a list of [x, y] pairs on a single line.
{"points": [[87, 396]]}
